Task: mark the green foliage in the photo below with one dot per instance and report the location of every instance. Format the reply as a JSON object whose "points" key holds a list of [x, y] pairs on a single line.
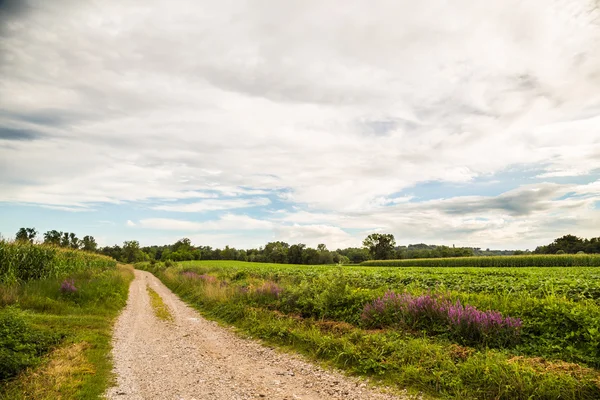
{"points": [[22, 261], [26, 235], [571, 245], [36, 316], [380, 245], [316, 309], [565, 260], [21, 344]]}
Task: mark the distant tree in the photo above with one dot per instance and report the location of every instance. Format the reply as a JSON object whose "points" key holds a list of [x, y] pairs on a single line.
{"points": [[52, 238], [295, 253], [380, 245], [356, 255], [26, 235], [276, 252], [310, 256], [89, 243], [132, 253], [64, 241], [74, 241]]}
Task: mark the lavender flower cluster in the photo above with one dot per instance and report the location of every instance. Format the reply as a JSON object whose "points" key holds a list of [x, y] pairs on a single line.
{"points": [[437, 314], [68, 286], [205, 277], [270, 289]]}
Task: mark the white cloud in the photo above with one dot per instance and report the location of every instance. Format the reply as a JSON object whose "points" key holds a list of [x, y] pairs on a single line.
{"points": [[335, 109], [226, 222], [214, 205], [130, 223]]}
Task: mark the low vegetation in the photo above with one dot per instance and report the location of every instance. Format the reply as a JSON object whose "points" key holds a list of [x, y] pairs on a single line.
{"points": [[160, 308], [555, 260], [462, 333], [56, 312]]}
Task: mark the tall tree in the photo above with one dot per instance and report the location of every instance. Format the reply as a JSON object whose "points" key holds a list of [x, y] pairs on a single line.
{"points": [[89, 243], [52, 237], [380, 245], [26, 235]]}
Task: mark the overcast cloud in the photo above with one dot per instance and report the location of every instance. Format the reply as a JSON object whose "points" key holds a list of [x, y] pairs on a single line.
{"points": [[239, 122]]}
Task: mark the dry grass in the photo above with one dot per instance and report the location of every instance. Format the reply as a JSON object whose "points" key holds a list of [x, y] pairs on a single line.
{"points": [[557, 366], [160, 308], [60, 378]]}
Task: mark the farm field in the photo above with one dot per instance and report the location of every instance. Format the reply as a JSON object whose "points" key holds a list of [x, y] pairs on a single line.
{"points": [[480, 333], [56, 313]]}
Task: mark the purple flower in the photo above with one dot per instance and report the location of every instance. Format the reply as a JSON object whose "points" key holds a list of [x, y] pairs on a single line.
{"points": [[68, 286], [432, 312], [269, 289]]}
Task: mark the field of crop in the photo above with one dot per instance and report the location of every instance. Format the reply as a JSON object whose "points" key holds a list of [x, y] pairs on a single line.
{"points": [[21, 262], [468, 333], [56, 313], [535, 260]]}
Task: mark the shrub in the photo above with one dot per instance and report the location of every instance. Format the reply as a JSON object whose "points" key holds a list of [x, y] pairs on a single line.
{"points": [[21, 345]]}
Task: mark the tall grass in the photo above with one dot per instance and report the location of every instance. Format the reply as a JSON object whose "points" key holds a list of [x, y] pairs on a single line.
{"points": [[541, 260], [20, 262]]}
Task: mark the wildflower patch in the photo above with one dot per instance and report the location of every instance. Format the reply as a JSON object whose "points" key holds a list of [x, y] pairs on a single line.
{"points": [[438, 315]]}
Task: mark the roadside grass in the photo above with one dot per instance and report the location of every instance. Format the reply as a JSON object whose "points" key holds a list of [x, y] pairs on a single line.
{"points": [[158, 305], [77, 325], [317, 316]]}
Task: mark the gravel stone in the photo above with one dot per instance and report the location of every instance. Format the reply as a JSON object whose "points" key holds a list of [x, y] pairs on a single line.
{"points": [[194, 358]]}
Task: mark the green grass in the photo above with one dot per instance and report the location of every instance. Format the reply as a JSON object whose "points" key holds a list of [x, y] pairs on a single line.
{"points": [[160, 308], [316, 310], [73, 330]]}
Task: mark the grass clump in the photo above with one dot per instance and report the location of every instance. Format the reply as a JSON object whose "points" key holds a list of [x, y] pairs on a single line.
{"points": [[158, 305]]}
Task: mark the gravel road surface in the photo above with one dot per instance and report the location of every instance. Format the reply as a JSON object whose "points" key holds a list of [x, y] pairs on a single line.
{"points": [[193, 358]]}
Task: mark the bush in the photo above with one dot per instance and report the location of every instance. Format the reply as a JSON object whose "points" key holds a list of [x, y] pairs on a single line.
{"points": [[21, 345]]}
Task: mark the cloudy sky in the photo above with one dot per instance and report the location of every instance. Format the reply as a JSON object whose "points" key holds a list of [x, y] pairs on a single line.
{"points": [[240, 122]]}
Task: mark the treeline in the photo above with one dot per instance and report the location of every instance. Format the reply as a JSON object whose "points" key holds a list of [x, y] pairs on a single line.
{"points": [[376, 246], [59, 239], [183, 250], [570, 244]]}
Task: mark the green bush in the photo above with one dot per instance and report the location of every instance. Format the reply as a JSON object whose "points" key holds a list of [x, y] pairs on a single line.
{"points": [[21, 345]]}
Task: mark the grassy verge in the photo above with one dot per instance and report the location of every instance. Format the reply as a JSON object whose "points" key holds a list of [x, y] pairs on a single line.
{"points": [[160, 308], [317, 316], [60, 337]]}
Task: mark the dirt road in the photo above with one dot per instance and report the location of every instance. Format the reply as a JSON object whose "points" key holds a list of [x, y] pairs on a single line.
{"points": [[193, 358]]}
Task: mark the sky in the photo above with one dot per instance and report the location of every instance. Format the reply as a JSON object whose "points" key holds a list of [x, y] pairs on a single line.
{"points": [[237, 123]]}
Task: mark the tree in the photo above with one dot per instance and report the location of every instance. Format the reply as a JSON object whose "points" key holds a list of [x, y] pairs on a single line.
{"points": [[380, 245], [89, 243], [132, 253], [74, 242], [295, 253], [52, 238], [64, 241], [276, 252], [26, 235]]}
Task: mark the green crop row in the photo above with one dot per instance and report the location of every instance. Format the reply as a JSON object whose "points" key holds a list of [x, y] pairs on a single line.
{"points": [[25, 261], [538, 260]]}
